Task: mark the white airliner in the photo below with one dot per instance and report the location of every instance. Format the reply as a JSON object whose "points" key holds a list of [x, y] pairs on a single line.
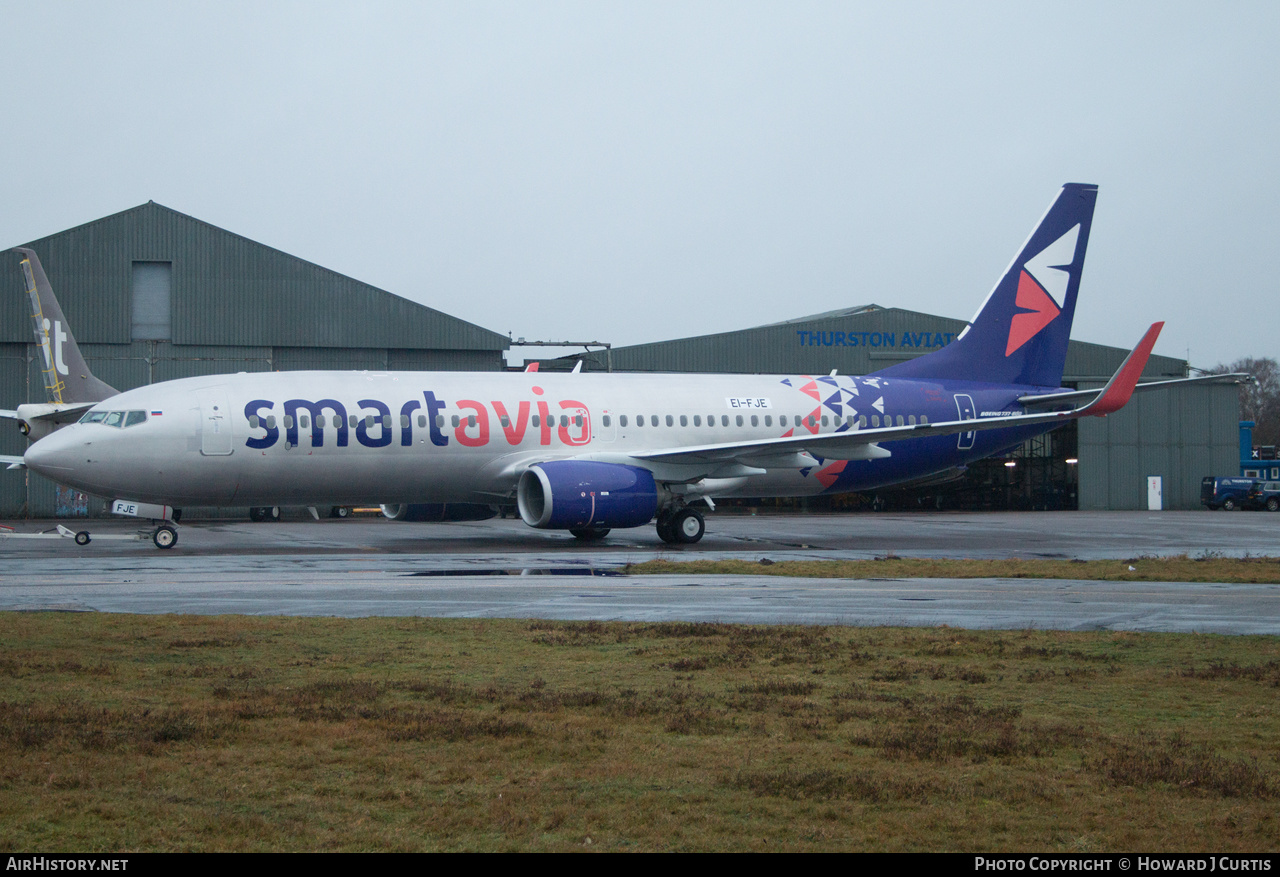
{"points": [[584, 452]]}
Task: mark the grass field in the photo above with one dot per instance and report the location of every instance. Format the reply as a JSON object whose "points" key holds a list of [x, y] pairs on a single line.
{"points": [[136, 733]]}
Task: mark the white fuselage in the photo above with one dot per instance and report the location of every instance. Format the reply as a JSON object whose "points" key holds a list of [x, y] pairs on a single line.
{"points": [[401, 437]]}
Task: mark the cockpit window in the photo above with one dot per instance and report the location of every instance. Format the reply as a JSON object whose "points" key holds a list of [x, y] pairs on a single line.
{"points": [[115, 418]]}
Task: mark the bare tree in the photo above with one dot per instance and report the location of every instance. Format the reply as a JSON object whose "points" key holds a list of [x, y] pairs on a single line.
{"points": [[1259, 402]]}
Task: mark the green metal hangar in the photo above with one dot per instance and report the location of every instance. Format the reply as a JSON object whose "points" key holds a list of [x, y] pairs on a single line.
{"points": [[1178, 435], [153, 295]]}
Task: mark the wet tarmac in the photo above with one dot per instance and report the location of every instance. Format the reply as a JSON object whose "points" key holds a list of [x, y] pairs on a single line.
{"points": [[500, 568]]}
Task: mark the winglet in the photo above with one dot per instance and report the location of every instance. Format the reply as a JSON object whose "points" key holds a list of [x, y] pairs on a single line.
{"points": [[1115, 395], [531, 367]]}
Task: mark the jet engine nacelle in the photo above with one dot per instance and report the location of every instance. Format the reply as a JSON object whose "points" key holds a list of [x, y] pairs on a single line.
{"points": [[568, 494], [438, 511], [37, 420]]}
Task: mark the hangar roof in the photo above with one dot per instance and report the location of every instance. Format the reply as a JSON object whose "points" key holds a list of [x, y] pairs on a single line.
{"points": [[855, 341], [226, 289]]}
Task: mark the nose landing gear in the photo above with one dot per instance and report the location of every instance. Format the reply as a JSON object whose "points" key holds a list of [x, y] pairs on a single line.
{"points": [[164, 536]]}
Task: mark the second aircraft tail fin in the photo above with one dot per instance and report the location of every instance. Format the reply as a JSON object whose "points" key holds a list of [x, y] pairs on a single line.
{"points": [[67, 378]]}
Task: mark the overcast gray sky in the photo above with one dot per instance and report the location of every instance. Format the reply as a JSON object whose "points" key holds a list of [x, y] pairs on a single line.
{"points": [[640, 171]]}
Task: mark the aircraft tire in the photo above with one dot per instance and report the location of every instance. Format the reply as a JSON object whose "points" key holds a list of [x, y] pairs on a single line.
{"points": [[666, 532], [587, 534], [688, 526], [82, 538], [165, 537]]}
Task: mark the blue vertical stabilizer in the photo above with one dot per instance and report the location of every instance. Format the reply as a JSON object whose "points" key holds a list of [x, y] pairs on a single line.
{"points": [[1020, 333]]}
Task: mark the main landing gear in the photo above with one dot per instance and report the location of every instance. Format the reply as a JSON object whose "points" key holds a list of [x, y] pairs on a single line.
{"points": [[680, 526]]}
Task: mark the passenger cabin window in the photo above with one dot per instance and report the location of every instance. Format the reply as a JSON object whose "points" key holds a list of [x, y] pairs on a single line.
{"points": [[422, 421], [738, 420], [697, 420], [724, 419], [288, 421], [622, 420], [253, 421], [755, 420], [606, 420], [653, 420]]}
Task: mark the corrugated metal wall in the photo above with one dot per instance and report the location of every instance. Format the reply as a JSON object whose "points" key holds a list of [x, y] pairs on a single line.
{"points": [[1181, 435], [227, 290], [237, 305]]}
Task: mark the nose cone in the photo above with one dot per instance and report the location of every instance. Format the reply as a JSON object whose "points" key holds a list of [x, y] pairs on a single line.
{"points": [[59, 457]]}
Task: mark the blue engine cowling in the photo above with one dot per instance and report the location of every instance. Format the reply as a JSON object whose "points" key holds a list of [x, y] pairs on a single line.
{"points": [[567, 494]]}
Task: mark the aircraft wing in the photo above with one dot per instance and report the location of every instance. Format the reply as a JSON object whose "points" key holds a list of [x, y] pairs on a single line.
{"points": [[1046, 400], [863, 444]]}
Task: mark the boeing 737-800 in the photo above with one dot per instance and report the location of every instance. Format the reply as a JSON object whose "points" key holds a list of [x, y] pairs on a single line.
{"points": [[590, 452]]}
